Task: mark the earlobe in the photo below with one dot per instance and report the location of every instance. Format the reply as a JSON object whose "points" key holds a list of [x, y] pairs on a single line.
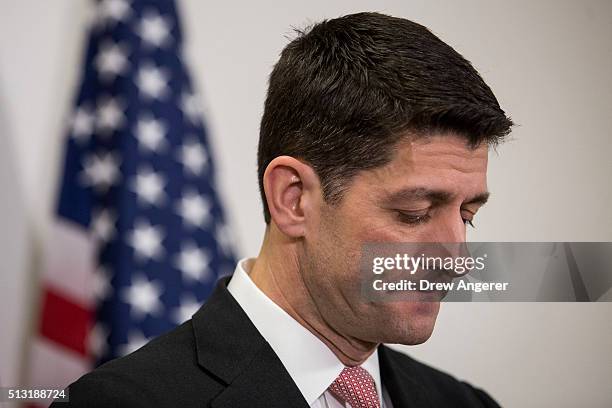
{"points": [[286, 194]]}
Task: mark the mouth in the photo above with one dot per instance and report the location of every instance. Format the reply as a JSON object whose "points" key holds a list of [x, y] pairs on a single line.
{"points": [[437, 284], [422, 286], [431, 295]]}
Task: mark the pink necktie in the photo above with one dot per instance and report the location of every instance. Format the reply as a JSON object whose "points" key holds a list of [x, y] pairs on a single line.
{"points": [[356, 386]]}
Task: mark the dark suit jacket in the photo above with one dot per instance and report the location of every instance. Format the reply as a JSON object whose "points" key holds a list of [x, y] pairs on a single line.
{"points": [[219, 359]]}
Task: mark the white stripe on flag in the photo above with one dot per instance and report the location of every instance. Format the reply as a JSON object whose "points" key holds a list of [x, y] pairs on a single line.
{"points": [[52, 366], [70, 262]]}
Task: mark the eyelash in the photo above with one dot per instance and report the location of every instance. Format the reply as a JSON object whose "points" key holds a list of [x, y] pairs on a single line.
{"points": [[420, 219], [413, 219]]}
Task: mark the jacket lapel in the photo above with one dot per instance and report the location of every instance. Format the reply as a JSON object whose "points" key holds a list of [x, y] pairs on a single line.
{"points": [[264, 383], [403, 388], [230, 348]]}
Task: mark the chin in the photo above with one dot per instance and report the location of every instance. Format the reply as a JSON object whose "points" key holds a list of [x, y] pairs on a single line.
{"points": [[415, 338], [409, 323]]}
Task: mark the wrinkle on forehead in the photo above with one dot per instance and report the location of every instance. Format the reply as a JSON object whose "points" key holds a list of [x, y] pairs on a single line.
{"points": [[442, 151], [415, 155]]}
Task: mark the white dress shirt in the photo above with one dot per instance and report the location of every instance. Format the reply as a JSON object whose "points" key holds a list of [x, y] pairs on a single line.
{"points": [[310, 363]]}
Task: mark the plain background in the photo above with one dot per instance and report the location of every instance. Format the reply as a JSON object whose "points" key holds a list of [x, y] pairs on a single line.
{"points": [[548, 62]]}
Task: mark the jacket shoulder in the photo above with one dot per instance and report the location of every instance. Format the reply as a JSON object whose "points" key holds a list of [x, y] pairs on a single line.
{"points": [[164, 372], [438, 386]]}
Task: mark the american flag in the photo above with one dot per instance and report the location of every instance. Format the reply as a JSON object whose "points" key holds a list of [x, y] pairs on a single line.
{"points": [[140, 238]]}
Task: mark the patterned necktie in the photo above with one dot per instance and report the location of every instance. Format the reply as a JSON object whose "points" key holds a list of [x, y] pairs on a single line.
{"points": [[356, 386]]}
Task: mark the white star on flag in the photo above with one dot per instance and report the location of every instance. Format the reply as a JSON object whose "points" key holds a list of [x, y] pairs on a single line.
{"points": [[101, 283], [110, 115], [135, 341], [103, 224], [224, 238], [194, 209], [143, 297], [152, 82], [83, 121], [154, 29], [190, 105], [189, 305], [149, 186], [151, 133], [112, 11], [100, 171], [111, 61], [193, 263], [146, 241], [97, 339], [193, 156]]}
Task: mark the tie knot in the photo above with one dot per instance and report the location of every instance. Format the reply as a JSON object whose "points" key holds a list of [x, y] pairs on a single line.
{"points": [[356, 386]]}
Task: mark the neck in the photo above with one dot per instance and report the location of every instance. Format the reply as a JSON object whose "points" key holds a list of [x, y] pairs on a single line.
{"points": [[276, 273]]}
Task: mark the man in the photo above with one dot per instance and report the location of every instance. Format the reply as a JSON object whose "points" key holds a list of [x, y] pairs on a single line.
{"points": [[374, 130]]}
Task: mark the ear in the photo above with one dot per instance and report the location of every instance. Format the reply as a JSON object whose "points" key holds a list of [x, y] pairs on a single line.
{"points": [[293, 195]]}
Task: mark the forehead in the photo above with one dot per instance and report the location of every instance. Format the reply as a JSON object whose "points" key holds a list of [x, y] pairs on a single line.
{"points": [[442, 161], [440, 151]]}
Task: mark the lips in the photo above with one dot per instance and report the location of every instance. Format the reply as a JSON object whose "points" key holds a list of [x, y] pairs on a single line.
{"points": [[434, 276]]}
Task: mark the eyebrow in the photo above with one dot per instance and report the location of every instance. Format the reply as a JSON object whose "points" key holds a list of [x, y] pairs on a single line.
{"points": [[434, 196], [479, 199]]}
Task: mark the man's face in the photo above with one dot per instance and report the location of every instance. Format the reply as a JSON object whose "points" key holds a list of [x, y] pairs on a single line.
{"points": [[427, 193]]}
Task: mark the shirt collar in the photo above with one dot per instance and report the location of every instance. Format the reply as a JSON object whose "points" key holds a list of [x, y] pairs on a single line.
{"points": [[309, 362]]}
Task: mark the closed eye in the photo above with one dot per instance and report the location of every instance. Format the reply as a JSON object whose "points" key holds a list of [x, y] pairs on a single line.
{"points": [[412, 219]]}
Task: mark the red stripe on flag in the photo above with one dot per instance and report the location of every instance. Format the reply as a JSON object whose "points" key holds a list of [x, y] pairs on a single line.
{"points": [[65, 322]]}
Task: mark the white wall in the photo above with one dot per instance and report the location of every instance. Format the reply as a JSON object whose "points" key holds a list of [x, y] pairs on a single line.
{"points": [[549, 63]]}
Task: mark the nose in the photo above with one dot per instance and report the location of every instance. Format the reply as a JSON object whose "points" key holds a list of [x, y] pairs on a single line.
{"points": [[449, 229]]}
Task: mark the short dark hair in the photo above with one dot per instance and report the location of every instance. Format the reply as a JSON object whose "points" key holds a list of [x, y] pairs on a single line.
{"points": [[346, 90]]}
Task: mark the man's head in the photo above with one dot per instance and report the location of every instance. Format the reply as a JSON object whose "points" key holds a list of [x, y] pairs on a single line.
{"points": [[374, 130]]}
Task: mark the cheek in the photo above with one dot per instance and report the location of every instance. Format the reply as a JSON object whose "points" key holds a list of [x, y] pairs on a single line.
{"points": [[333, 262], [445, 225], [394, 232]]}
